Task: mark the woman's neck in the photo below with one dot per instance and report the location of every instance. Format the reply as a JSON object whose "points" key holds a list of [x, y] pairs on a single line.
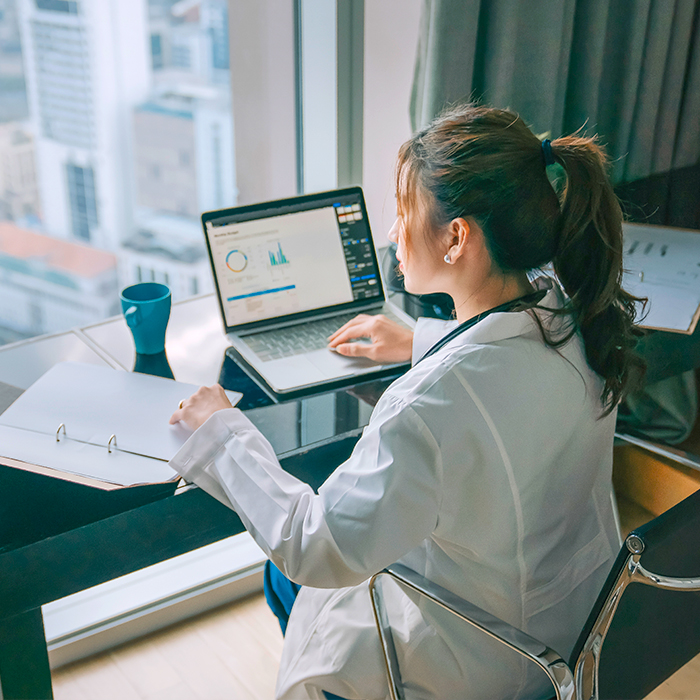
{"points": [[490, 293]]}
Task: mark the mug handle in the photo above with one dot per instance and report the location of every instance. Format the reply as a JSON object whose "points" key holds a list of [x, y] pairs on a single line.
{"points": [[132, 317]]}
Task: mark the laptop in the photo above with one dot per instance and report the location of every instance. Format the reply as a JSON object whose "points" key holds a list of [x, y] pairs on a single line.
{"points": [[289, 273]]}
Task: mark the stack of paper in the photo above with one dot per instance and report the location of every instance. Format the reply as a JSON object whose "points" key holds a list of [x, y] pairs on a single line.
{"points": [[663, 264]]}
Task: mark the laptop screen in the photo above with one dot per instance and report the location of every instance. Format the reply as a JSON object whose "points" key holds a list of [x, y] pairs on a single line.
{"points": [[292, 256]]}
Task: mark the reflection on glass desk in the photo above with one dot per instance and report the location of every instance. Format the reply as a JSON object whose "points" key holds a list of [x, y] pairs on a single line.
{"points": [[195, 342], [22, 363]]}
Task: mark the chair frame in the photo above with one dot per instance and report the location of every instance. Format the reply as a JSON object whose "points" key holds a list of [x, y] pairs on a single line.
{"points": [[579, 684], [675, 454]]}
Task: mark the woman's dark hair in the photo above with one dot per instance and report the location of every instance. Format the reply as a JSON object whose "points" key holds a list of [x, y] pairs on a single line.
{"points": [[485, 164]]}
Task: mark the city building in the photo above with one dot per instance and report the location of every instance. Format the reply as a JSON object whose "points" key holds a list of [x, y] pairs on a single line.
{"points": [[168, 249], [19, 195], [49, 285], [13, 105], [129, 121], [189, 39], [87, 64], [183, 151]]}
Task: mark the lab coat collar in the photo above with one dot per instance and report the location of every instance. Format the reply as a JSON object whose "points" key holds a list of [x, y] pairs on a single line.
{"points": [[510, 324], [495, 327]]}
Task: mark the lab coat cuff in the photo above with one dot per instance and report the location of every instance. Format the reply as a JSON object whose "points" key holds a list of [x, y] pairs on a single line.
{"points": [[202, 446], [426, 333]]}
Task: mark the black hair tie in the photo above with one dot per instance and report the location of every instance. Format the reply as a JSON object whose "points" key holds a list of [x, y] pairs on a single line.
{"points": [[547, 152]]}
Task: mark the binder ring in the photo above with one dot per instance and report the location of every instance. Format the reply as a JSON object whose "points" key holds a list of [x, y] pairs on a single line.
{"points": [[58, 430], [112, 437]]}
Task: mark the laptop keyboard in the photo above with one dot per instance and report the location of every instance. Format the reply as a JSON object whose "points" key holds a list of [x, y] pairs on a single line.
{"points": [[300, 339]]}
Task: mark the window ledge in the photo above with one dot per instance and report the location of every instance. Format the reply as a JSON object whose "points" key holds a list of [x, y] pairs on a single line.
{"points": [[144, 601]]}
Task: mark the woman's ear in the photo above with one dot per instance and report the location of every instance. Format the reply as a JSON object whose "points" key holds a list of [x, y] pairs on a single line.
{"points": [[458, 236]]}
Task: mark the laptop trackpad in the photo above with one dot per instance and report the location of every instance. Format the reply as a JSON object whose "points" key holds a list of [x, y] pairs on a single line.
{"points": [[334, 365], [291, 372]]}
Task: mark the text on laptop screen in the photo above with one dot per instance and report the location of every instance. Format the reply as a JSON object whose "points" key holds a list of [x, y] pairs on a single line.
{"points": [[294, 262]]}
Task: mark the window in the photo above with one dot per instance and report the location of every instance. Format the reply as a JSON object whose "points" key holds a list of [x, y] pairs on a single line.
{"points": [[156, 51], [131, 131], [62, 69], [67, 6], [81, 192], [181, 56], [217, 166], [105, 134], [218, 33]]}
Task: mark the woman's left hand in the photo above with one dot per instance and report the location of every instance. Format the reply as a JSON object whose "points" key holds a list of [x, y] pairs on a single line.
{"points": [[206, 401]]}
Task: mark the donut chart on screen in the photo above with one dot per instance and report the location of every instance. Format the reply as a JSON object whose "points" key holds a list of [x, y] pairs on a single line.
{"points": [[236, 261]]}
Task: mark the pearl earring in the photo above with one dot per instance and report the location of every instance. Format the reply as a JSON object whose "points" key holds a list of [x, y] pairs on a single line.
{"points": [[448, 260]]}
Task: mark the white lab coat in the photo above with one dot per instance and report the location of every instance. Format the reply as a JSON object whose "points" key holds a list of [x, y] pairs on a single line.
{"points": [[486, 467]]}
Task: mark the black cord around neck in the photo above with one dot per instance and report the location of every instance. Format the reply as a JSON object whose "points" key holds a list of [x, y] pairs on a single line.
{"points": [[519, 304]]}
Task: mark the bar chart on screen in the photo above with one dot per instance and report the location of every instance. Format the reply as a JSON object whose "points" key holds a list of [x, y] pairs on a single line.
{"points": [[277, 257]]}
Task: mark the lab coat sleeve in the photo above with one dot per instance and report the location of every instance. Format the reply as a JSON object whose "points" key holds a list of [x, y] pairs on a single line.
{"points": [[381, 503], [426, 333]]}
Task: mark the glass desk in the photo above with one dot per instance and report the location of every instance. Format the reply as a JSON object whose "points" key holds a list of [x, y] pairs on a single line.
{"points": [[195, 342], [58, 538]]}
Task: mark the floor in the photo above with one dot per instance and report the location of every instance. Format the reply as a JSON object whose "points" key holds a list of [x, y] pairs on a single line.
{"points": [[233, 653]]}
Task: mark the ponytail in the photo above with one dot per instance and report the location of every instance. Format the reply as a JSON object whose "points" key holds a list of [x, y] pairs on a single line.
{"points": [[588, 263], [485, 163]]}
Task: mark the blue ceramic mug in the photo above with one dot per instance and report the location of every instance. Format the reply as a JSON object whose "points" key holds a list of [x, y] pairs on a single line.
{"points": [[146, 308]]}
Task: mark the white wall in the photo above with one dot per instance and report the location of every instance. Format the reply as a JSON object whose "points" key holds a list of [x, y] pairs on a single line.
{"points": [[391, 37], [261, 37]]}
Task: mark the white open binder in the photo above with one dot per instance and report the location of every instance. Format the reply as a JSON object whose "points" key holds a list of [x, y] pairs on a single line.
{"points": [[97, 426]]}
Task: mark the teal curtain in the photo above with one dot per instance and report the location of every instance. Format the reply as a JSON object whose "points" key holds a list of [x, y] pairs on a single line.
{"points": [[628, 70]]}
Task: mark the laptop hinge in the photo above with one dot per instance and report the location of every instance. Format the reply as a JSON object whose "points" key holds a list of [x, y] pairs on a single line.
{"points": [[271, 326]]}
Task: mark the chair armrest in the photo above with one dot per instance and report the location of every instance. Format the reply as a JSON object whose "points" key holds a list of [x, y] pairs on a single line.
{"points": [[532, 649], [669, 583]]}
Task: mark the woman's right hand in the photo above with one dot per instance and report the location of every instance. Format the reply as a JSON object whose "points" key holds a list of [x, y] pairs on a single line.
{"points": [[195, 410], [379, 339]]}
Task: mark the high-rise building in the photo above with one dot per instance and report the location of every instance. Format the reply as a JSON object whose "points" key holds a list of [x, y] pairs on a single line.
{"points": [[183, 152], [189, 39], [13, 94], [19, 196], [183, 164], [87, 66]]}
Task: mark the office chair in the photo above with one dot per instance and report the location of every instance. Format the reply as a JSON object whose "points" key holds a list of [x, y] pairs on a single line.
{"points": [[643, 627]]}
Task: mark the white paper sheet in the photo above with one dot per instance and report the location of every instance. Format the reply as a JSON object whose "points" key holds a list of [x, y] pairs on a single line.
{"points": [[663, 264], [94, 403]]}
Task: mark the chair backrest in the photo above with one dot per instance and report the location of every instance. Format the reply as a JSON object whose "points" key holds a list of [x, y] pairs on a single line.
{"points": [[645, 624]]}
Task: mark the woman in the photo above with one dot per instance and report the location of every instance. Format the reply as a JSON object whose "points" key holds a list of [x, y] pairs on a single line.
{"points": [[487, 466]]}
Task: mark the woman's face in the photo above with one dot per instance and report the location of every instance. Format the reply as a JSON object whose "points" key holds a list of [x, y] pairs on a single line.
{"points": [[417, 251]]}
